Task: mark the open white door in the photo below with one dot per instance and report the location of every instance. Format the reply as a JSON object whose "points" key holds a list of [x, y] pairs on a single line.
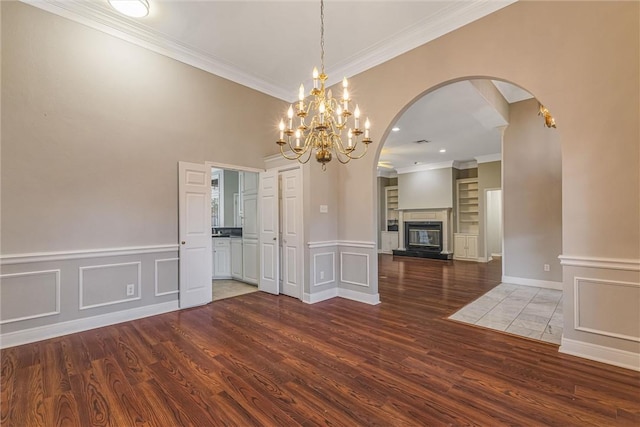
{"points": [[291, 233], [268, 211], [194, 213]]}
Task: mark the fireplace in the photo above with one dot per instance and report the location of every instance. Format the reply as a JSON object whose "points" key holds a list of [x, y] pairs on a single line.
{"points": [[423, 236]]}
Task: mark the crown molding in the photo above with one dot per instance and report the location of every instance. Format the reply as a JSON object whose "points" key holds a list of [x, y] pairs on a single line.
{"points": [[471, 164], [99, 16], [454, 16], [497, 157], [425, 167]]}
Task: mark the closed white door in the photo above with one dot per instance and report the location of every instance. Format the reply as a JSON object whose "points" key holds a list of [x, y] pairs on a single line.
{"points": [[291, 232], [268, 228], [194, 218]]}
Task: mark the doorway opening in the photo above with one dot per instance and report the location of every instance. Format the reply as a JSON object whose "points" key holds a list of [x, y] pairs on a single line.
{"points": [[447, 160], [234, 225]]}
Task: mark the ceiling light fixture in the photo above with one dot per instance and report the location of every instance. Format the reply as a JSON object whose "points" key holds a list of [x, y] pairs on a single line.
{"points": [[132, 8], [324, 133], [549, 121], [443, 150], [395, 129]]}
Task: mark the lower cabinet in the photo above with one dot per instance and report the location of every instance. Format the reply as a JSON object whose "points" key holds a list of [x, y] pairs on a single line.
{"points": [[221, 258], [236, 258], [388, 241], [250, 261], [465, 246]]}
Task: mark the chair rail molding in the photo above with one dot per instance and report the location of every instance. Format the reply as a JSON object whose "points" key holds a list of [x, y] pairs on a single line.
{"points": [[84, 253], [626, 264]]}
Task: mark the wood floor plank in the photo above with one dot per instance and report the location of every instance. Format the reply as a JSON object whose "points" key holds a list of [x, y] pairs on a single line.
{"points": [[266, 360]]}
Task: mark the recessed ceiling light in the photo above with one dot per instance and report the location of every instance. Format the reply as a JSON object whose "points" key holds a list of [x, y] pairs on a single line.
{"points": [[443, 150], [395, 129], [132, 8]]}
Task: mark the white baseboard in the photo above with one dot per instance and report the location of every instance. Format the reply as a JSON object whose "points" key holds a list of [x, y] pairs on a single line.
{"points": [[11, 339], [320, 296], [343, 293], [532, 282], [611, 356], [359, 296]]}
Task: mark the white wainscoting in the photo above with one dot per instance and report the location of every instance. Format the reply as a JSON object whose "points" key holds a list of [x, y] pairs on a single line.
{"points": [[122, 282], [27, 336], [27, 292], [83, 254], [330, 260], [353, 269], [68, 284], [611, 356], [626, 264], [357, 272], [592, 294], [158, 278]]}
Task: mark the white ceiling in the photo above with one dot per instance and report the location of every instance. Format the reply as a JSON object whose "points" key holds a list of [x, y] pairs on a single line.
{"points": [[456, 118], [272, 46]]}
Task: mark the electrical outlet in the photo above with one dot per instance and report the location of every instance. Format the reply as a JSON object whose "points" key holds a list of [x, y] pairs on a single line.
{"points": [[321, 275], [547, 267], [131, 289]]}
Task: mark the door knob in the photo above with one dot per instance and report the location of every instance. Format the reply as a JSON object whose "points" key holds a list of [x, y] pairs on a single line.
{"points": [[274, 238], [183, 242]]}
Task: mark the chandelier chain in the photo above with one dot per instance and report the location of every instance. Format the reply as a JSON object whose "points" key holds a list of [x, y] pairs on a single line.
{"points": [[322, 35]]}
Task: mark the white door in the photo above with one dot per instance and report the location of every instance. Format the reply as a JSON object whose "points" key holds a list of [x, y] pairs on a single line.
{"points": [[194, 213], [291, 232], [268, 214]]}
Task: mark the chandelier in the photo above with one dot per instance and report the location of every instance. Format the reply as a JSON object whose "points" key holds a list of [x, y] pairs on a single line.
{"points": [[329, 119]]}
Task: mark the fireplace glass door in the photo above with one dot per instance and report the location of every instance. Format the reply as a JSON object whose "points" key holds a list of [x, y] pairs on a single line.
{"points": [[428, 239]]}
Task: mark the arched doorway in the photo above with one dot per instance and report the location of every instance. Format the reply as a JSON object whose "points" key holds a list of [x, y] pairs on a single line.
{"points": [[446, 148]]}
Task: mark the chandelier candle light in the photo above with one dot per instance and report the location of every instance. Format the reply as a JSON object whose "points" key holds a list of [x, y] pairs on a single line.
{"points": [[331, 117]]}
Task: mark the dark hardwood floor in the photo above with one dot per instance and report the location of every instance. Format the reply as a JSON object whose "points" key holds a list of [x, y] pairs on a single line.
{"points": [[264, 360]]}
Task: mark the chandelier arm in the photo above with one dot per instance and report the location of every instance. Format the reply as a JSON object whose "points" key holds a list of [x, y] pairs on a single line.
{"points": [[284, 154], [361, 154]]}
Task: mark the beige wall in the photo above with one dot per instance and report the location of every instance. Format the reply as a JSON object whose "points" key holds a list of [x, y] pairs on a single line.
{"points": [[585, 70], [430, 189], [93, 128], [590, 68], [532, 196]]}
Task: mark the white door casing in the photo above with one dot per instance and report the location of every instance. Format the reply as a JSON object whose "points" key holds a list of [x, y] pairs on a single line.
{"points": [[194, 218], [268, 227], [291, 233]]}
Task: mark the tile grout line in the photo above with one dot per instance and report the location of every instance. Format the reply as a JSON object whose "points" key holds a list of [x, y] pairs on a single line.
{"points": [[525, 306]]}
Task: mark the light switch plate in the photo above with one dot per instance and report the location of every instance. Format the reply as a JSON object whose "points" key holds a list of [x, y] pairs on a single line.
{"points": [[324, 208]]}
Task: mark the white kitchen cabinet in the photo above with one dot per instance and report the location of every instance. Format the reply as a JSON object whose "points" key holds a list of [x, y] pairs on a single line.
{"points": [[465, 246], [389, 241], [250, 261], [236, 258], [221, 258]]}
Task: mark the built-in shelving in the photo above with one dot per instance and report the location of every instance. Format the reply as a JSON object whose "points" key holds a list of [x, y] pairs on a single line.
{"points": [[467, 206], [391, 208], [389, 233]]}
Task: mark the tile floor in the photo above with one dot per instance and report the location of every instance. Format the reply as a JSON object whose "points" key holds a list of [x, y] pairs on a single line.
{"points": [[230, 288], [520, 310]]}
